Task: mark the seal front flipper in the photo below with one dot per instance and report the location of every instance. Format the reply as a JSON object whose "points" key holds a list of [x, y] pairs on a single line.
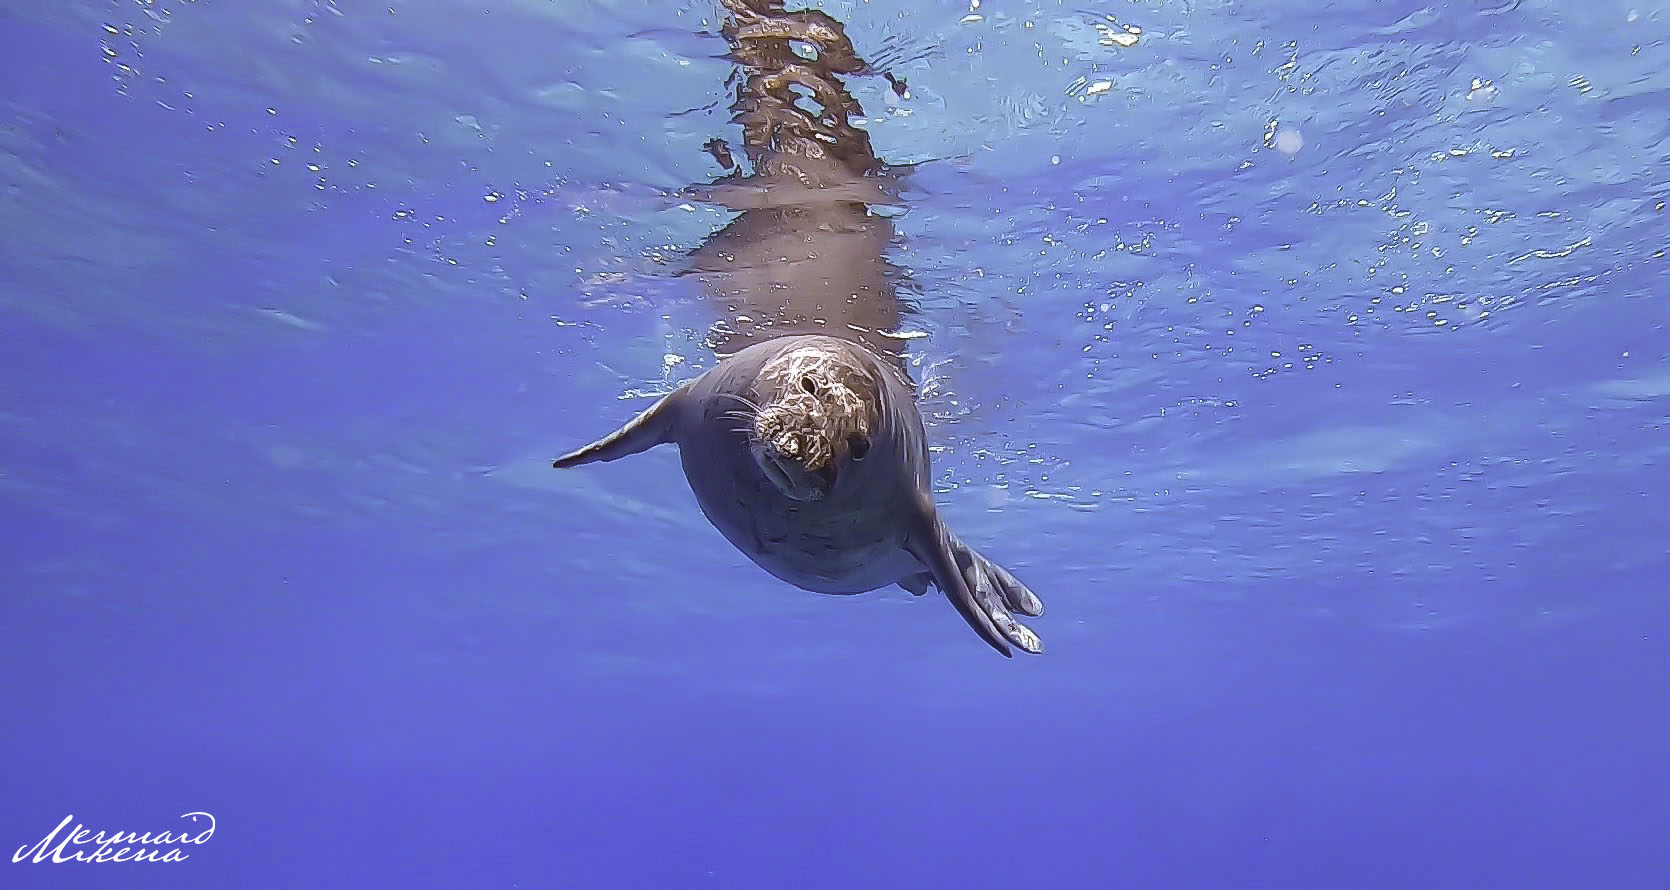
{"points": [[653, 427], [990, 597], [981, 604], [996, 592], [981, 571]]}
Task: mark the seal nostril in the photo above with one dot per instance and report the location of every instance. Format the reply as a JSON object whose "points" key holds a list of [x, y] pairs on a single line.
{"points": [[858, 446], [809, 385]]}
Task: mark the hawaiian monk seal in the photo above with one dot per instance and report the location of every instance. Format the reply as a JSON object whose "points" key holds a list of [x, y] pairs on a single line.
{"points": [[804, 445], [808, 454]]}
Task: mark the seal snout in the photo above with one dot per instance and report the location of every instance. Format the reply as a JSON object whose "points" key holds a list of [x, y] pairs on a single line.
{"points": [[793, 449]]}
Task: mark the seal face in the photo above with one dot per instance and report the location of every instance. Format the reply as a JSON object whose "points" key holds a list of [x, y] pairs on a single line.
{"points": [[818, 420], [808, 454]]}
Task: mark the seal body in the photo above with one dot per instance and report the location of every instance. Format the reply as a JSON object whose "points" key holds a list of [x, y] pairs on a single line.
{"points": [[850, 539], [808, 454]]}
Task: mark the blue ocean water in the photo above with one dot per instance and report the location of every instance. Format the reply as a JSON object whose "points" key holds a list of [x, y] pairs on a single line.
{"points": [[1310, 360]]}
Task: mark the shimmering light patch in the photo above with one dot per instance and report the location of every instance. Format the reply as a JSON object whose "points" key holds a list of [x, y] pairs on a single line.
{"points": [[292, 320], [1117, 34], [1542, 254], [1647, 388]]}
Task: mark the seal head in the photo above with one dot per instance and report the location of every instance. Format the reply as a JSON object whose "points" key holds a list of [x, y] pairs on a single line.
{"points": [[817, 420]]}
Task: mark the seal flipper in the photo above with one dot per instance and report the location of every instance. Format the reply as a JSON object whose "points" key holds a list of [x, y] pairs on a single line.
{"points": [[930, 543], [917, 584], [981, 570], [996, 591], [650, 428]]}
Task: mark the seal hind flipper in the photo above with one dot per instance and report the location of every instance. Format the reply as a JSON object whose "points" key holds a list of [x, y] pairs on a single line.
{"points": [[917, 585], [650, 428]]}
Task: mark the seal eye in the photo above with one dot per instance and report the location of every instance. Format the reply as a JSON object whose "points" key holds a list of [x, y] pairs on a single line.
{"points": [[858, 446], [809, 385]]}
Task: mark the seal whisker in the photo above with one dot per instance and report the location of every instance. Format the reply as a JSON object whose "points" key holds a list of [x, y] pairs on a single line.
{"points": [[747, 402]]}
